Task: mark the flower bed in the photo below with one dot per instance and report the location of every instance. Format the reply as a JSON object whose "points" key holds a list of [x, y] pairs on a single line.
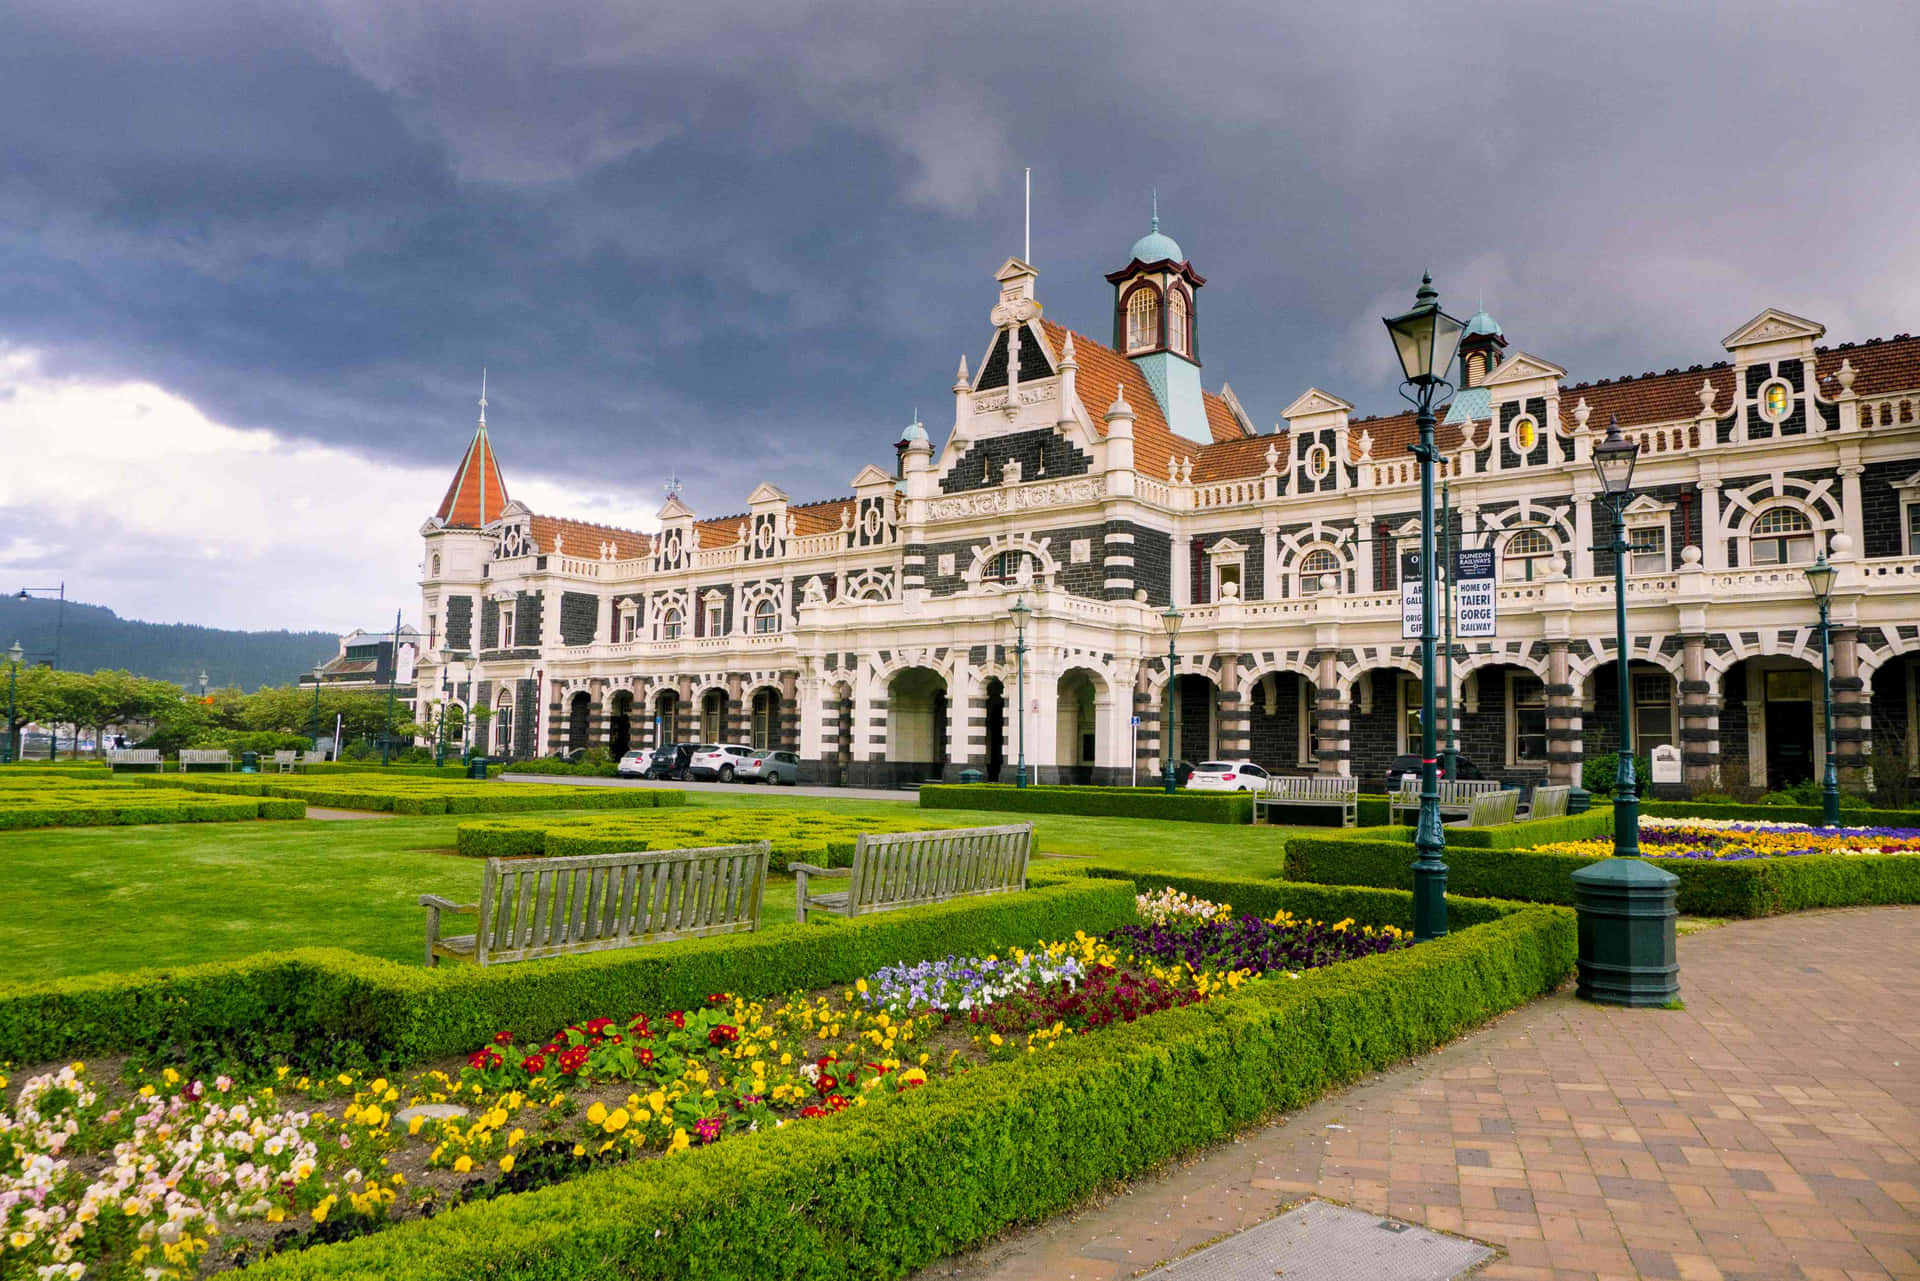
{"points": [[1728, 838], [103, 1180]]}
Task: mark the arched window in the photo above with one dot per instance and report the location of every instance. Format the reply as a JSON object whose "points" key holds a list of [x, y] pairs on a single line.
{"points": [[1005, 566], [766, 618], [1525, 555], [436, 564], [503, 728], [671, 623], [1319, 572], [1143, 319], [1782, 536], [1177, 327]]}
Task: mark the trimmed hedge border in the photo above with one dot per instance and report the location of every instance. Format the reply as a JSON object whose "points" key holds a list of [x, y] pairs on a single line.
{"points": [[107, 806], [880, 1191], [807, 836], [1096, 802], [317, 1007], [426, 796], [1736, 887]]}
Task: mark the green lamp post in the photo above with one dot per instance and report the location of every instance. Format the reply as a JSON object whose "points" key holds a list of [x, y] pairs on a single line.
{"points": [[1171, 621], [1426, 339], [1625, 904], [1021, 612], [14, 655], [316, 708], [1820, 576]]}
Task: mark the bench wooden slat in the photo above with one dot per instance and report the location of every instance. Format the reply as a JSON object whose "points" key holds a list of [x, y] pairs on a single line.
{"points": [[902, 869]]}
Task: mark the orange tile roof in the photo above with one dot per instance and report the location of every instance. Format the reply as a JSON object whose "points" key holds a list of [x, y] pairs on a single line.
{"points": [[583, 538], [1880, 365], [477, 494], [1650, 398], [1232, 459], [821, 517], [1104, 371]]}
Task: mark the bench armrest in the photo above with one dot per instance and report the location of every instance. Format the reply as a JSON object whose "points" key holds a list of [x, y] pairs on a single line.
{"points": [[447, 905], [811, 870]]}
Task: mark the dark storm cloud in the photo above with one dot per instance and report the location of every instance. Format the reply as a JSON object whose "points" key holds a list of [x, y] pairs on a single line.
{"points": [[745, 241]]}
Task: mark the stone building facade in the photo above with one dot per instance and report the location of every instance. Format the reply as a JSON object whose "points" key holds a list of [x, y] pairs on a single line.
{"points": [[1099, 483]]}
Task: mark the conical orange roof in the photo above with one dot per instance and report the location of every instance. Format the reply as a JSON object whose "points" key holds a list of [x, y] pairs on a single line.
{"points": [[477, 494]]}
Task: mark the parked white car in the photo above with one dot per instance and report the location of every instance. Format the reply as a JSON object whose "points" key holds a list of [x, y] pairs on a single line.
{"points": [[720, 760], [1227, 776], [771, 768], [634, 764]]}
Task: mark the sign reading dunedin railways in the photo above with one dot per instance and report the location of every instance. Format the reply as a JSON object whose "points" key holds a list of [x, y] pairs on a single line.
{"points": [[1474, 611]]}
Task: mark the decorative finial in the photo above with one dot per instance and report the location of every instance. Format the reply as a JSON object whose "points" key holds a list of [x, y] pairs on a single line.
{"points": [[483, 395], [1426, 293], [1156, 208], [672, 486]]}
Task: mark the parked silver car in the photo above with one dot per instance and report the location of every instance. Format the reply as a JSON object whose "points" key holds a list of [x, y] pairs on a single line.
{"points": [[773, 768], [634, 764]]}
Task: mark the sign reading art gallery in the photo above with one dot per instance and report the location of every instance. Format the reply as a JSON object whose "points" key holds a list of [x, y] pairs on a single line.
{"points": [[1474, 611], [1411, 592]]}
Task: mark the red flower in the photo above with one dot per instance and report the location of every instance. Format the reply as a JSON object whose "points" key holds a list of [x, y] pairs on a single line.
{"points": [[573, 1059], [645, 1056], [837, 1103], [811, 1111], [724, 1034], [484, 1058], [503, 1038], [827, 1083], [596, 1026], [534, 1063], [678, 1019], [717, 998], [638, 1023]]}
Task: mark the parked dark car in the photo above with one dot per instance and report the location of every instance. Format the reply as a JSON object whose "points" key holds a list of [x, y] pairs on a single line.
{"points": [[671, 761], [1182, 771], [1463, 767]]}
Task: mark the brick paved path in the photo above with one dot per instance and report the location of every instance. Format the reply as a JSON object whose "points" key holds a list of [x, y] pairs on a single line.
{"points": [[1769, 1130]]}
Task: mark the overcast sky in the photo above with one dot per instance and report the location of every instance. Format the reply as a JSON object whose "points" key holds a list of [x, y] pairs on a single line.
{"points": [[253, 256]]}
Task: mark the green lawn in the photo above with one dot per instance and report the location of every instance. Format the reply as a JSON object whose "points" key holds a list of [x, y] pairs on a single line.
{"points": [[83, 900]]}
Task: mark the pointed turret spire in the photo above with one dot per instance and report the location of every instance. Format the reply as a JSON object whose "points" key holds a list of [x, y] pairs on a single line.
{"points": [[477, 494]]}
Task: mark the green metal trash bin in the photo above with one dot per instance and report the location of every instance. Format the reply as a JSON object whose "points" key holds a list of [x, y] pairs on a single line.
{"points": [[1626, 911], [249, 762], [972, 776], [477, 767]]}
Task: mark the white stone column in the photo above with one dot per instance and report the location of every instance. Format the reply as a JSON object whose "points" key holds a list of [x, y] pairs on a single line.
{"points": [[1852, 524], [1713, 552], [962, 688], [1582, 533]]}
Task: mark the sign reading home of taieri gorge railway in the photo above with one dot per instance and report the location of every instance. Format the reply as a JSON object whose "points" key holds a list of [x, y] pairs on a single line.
{"points": [[1473, 593]]}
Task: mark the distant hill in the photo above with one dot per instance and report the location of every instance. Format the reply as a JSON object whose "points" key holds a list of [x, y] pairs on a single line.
{"points": [[94, 637]]}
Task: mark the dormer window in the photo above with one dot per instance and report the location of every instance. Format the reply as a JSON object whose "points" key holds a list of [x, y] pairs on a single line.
{"points": [[1177, 323], [1143, 319]]}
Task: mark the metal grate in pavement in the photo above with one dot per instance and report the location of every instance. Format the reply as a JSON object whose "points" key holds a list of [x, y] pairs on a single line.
{"points": [[1323, 1242]]}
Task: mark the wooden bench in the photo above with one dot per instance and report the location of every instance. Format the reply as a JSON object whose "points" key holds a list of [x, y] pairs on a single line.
{"points": [[135, 760], [310, 758], [536, 907], [1333, 790], [205, 758], [283, 762], [1456, 794], [1490, 809], [904, 869], [1549, 802]]}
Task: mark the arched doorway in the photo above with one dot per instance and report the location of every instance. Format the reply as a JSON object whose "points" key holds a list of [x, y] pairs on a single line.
{"points": [[713, 716], [1077, 725], [1280, 722], [764, 734], [1383, 721], [1193, 710], [996, 691], [1770, 731], [666, 718], [579, 711], [620, 724], [916, 725]]}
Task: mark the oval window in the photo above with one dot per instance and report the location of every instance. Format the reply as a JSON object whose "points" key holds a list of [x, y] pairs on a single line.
{"points": [[1776, 400], [1526, 434], [1319, 459]]}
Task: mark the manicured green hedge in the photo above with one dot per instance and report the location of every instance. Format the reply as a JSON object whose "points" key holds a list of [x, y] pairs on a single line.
{"points": [[319, 1007], [1708, 887], [1367, 906], [883, 1190], [797, 836], [425, 795], [1534, 831], [1810, 814], [1099, 802], [108, 804], [384, 771], [81, 773]]}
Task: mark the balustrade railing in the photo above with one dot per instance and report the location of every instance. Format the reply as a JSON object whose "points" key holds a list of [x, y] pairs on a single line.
{"points": [[1890, 411]]}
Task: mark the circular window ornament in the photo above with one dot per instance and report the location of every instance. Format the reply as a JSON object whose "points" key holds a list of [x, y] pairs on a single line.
{"points": [[1319, 461], [870, 522], [765, 535], [1776, 400], [1526, 434]]}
